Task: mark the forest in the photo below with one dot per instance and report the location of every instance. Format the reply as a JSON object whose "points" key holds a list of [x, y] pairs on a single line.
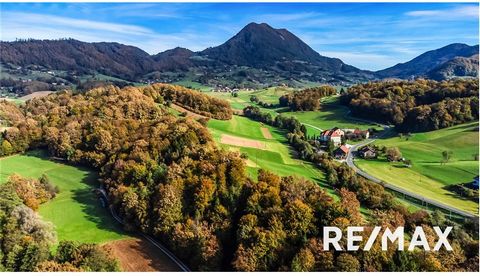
{"points": [[416, 106], [165, 176], [307, 99]]}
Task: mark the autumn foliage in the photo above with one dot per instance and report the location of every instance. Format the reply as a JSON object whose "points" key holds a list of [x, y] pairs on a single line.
{"points": [[419, 105], [165, 176]]}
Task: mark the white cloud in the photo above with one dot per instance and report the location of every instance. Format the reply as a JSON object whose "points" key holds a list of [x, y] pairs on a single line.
{"points": [[51, 20], [458, 12], [40, 26]]}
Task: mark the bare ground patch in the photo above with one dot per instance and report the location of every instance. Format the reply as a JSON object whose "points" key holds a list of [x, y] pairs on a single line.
{"points": [[38, 94], [188, 112], [241, 142], [266, 133], [138, 255]]}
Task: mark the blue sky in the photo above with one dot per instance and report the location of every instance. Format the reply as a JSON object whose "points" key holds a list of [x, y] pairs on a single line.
{"points": [[368, 35]]}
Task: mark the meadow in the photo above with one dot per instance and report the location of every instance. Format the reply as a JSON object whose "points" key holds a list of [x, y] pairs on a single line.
{"points": [[429, 176], [331, 114], [75, 211], [274, 155]]}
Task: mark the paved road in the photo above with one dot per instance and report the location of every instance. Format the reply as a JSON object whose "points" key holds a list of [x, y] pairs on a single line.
{"points": [[352, 165], [183, 267]]}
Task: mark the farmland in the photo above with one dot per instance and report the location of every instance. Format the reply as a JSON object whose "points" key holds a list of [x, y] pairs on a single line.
{"points": [[270, 153], [429, 175], [75, 212]]}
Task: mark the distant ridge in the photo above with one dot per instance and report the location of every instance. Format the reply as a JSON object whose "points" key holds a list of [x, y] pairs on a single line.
{"points": [[424, 63]]}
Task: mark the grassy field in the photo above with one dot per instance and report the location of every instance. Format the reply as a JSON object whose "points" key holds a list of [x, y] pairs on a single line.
{"points": [[428, 176], [276, 155], [75, 212], [194, 85], [331, 114]]}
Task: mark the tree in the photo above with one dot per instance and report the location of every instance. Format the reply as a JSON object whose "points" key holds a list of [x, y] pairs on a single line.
{"points": [[393, 154], [446, 156], [330, 147], [347, 262], [303, 261]]}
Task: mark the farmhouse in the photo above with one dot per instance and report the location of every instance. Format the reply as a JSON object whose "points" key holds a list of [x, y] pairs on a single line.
{"points": [[341, 152], [367, 152], [356, 134], [335, 135]]}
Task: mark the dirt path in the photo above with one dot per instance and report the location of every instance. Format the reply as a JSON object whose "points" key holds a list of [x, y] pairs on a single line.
{"points": [[188, 112], [138, 255], [266, 133], [241, 142]]}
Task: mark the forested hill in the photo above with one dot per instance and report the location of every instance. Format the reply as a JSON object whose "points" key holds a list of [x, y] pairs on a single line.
{"points": [[165, 176], [109, 58], [419, 105], [428, 61], [256, 46]]}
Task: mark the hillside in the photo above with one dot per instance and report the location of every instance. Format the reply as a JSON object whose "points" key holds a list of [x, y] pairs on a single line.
{"points": [[257, 54], [457, 67], [428, 176], [422, 64], [113, 59]]}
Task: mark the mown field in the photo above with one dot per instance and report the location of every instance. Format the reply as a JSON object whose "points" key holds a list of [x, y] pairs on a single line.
{"points": [[331, 114], [272, 154], [428, 176], [75, 211]]}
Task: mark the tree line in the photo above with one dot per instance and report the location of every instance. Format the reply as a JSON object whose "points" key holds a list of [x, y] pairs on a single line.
{"points": [[165, 176], [307, 99], [416, 106], [192, 100]]}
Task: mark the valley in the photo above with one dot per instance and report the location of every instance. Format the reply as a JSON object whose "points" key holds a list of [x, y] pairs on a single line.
{"points": [[216, 143]]}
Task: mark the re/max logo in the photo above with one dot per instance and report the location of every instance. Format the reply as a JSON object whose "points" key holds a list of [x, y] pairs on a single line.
{"points": [[333, 235]]}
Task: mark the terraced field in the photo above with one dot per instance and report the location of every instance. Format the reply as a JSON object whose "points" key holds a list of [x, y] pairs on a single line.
{"points": [[429, 176]]}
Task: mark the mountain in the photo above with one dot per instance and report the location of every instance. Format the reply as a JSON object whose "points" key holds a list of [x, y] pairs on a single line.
{"points": [[457, 67], [261, 46], [258, 54], [109, 58], [174, 59], [426, 62]]}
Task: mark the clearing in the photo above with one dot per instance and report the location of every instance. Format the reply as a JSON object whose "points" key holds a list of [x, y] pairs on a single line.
{"points": [[266, 133], [139, 255], [38, 94], [189, 113], [428, 176], [241, 142], [75, 211]]}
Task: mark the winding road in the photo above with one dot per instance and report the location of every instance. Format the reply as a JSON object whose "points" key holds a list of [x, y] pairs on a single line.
{"points": [[351, 164]]}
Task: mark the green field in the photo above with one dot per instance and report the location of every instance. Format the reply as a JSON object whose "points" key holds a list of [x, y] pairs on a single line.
{"points": [[331, 114], [428, 176], [276, 155], [193, 85], [75, 211]]}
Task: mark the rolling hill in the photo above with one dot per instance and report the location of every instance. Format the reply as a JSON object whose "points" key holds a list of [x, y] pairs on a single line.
{"points": [[421, 65], [256, 48], [459, 66]]}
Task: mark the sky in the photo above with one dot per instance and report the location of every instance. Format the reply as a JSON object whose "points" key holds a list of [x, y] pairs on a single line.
{"points": [[369, 36]]}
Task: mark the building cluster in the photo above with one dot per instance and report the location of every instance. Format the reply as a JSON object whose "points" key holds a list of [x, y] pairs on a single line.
{"points": [[338, 138]]}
